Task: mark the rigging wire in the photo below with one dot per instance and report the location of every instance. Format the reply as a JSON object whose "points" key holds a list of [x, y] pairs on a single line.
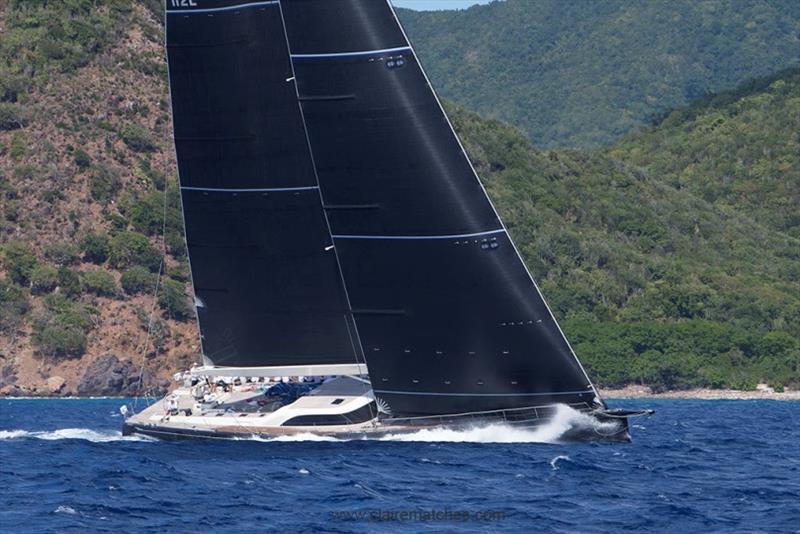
{"points": [[150, 321]]}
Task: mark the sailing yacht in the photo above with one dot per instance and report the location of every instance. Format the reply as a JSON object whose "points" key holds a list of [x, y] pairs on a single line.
{"points": [[351, 275]]}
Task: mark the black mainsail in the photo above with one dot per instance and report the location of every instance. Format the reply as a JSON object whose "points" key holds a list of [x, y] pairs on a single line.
{"points": [[267, 290], [302, 124]]}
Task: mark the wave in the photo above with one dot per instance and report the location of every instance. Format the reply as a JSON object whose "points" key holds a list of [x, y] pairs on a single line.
{"points": [[57, 398], [564, 420], [85, 434], [302, 436], [559, 458]]}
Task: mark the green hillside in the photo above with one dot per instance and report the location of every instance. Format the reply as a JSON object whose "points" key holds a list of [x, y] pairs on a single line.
{"points": [[739, 150], [583, 73], [652, 284], [659, 270], [85, 158]]}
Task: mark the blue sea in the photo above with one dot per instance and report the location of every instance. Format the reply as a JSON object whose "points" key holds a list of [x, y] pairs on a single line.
{"points": [[694, 466]]}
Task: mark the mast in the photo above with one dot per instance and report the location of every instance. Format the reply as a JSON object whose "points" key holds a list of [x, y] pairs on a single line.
{"points": [[449, 317], [268, 288]]}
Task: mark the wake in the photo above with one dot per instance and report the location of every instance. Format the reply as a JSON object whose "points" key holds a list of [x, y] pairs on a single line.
{"points": [[85, 434], [564, 421]]}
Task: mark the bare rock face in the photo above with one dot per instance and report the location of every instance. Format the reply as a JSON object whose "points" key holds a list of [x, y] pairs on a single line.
{"points": [[10, 390], [54, 385], [8, 382], [8, 376], [110, 376]]}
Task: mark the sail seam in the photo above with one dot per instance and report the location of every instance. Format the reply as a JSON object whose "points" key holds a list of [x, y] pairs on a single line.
{"points": [[392, 392], [218, 9], [253, 190], [352, 54], [414, 237]]}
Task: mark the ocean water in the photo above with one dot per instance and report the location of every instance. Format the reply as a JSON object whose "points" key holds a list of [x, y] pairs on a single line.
{"points": [[723, 466]]}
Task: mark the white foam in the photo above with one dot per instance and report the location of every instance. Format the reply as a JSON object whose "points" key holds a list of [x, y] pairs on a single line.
{"points": [[70, 433], [65, 510], [559, 458], [13, 434], [40, 398], [564, 420]]}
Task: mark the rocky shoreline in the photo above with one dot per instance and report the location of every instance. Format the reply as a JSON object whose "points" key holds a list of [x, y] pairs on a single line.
{"points": [[762, 392], [105, 376], [111, 378]]}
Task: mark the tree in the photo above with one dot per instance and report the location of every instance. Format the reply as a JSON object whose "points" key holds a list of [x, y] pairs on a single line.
{"points": [[137, 138], [99, 282], [44, 279], [132, 248], [82, 159], [19, 262], [61, 253], [137, 279], [95, 247], [69, 283], [13, 305], [172, 298], [61, 328], [104, 184]]}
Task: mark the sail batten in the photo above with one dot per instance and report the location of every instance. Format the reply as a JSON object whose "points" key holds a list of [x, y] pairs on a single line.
{"points": [[327, 55], [412, 237], [251, 190]]}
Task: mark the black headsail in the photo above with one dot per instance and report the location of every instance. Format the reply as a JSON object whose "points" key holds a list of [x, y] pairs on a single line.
{"points": [[266, 280], [449, 318]]}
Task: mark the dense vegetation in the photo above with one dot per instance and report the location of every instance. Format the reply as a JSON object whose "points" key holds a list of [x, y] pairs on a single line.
{"points": [[653, 284], [583, 73], [738, 150], [671, 259], [85, 189]]}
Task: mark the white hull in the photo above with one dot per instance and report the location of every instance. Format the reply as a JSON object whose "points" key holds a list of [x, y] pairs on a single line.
{"points": [[246, 411], [343, 407]]}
